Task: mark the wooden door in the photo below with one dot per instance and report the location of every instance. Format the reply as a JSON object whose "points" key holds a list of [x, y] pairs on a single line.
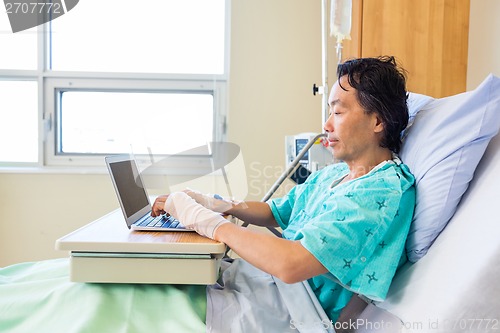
{"points": [[428, 37]]}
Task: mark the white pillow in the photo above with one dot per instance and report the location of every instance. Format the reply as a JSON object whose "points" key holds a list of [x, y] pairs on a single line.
{"points": [[442, 147], [416, 102]]}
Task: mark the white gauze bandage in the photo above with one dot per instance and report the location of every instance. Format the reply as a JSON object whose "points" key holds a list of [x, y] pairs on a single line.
{"points": [[193, 215], [211, 201]]}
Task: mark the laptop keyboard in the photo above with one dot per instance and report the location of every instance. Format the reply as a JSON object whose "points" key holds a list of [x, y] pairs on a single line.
{"points": [[162, 221]]}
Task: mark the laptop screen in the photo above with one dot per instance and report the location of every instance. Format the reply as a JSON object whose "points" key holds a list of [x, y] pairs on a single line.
{"points": [[129, 186]]}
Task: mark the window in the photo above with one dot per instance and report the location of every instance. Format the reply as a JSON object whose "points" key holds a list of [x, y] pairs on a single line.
{"points": [[19, 121], [18, 50], [151, 36], [115, 76], [164, 123]]}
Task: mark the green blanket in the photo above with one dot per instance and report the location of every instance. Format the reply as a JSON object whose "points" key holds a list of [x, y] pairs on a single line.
{"points": [[38, 297]]}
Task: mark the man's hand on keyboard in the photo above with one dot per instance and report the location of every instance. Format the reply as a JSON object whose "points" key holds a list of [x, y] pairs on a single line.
{"points": [[158, 206]]}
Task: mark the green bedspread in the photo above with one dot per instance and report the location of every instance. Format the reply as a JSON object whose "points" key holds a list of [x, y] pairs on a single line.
{"points": [[38, 297]]}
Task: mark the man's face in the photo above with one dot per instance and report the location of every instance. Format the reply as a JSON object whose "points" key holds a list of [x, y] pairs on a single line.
{"points": [[352, 133]]}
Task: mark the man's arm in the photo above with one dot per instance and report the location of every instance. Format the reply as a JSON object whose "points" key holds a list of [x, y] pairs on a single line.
{"points": [[254, 212], [288, 260]]}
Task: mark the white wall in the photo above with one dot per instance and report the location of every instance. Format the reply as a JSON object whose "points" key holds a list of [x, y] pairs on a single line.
{"points": [[484, 41], [36, 209], [275, 59]]}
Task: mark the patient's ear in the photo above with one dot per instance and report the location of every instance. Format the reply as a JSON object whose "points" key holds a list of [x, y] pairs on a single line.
{"points": [[378, 123]]}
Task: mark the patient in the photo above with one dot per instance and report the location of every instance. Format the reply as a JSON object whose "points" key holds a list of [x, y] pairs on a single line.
{"points": [[345, 228], [344, 231]]}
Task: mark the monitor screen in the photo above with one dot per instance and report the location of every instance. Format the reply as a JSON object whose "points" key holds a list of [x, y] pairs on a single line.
{"points": [[129, 186], [299, 145]]}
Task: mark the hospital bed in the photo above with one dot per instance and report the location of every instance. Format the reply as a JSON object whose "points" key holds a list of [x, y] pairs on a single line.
{"points": [[453, 148]]}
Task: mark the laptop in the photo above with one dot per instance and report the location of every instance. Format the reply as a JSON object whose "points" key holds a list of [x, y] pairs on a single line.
{"points": [[133, 198]]}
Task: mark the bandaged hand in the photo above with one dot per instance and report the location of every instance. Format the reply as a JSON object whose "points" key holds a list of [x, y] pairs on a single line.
{"points": [[193, 215], [213, 202]]}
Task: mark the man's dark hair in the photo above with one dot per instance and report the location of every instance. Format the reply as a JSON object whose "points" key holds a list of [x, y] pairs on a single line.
{"points": [[381, 87]]}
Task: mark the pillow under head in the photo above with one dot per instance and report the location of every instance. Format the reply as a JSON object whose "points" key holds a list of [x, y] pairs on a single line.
{"points": [[443, 144]]}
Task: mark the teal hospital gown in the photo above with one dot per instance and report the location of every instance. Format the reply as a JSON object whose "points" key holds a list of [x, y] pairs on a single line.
{"points": [[356, 229]]}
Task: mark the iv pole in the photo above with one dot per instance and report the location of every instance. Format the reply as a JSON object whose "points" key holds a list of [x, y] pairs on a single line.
{"points": [[324, 61], [323, 89]]}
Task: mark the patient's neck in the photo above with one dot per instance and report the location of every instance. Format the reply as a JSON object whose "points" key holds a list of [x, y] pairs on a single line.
{"points": [[367, 162]]}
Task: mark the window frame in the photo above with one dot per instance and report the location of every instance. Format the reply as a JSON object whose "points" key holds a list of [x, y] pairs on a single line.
{"points": [[57, 85], [50, 83]]}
